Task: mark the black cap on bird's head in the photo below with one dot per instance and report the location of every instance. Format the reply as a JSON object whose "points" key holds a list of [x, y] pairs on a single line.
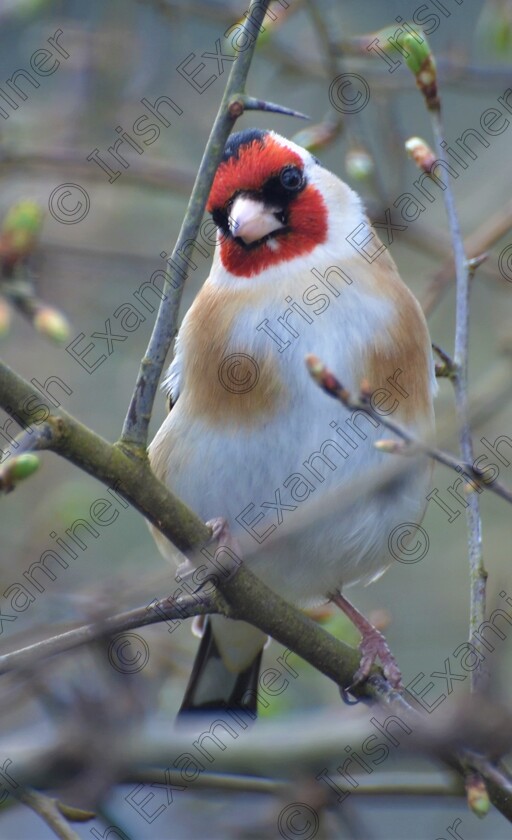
{"points": [[242, 138]]}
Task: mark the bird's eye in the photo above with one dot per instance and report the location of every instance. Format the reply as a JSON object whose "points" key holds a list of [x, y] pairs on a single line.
{"points": [[292, 178]]}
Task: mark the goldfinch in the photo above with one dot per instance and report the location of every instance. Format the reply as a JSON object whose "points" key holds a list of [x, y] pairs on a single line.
{"points": [[250, 437]]}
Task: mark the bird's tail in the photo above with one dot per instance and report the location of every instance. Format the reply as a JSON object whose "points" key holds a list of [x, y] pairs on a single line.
{"points": [[226, 668]]}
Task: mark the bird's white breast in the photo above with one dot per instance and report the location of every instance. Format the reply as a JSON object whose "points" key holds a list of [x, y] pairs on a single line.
{"points": [[240, 471]]}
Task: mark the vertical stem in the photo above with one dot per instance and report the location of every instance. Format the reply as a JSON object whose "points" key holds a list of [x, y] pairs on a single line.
{"points": [[136, 424], [463, 279]]}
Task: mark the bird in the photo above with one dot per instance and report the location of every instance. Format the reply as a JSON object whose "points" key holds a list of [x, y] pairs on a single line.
{"points": [[252, 439]]}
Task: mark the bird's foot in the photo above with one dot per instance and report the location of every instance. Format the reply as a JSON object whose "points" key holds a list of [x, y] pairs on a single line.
{"points": [[224, 562], [221, 532], [228, 555], [373, 645]]}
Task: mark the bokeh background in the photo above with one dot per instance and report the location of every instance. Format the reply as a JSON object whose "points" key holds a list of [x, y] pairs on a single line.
{"points": [[119, 53]]}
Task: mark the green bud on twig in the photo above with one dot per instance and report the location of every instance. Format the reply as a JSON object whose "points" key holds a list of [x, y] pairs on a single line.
{"points": [[23, 465], [478, 797], [421, 63], [17, 469], [414, 50]]}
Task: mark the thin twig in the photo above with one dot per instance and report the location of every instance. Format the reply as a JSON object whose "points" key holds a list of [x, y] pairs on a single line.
{"points": [[135, 428], [315, 740], [47, 808], [31, 654], [20, 291], [34, 439], [209, 781], [332, 386], [131, 477], [494, 773], [467, 78], [478, 574], [416, 784]]}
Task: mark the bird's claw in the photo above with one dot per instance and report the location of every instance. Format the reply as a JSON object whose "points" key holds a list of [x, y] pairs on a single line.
{"points": [[374, 645], [228, 547]]}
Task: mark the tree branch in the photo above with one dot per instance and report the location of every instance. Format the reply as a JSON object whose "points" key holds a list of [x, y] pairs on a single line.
{"points": [[135, 428], [47, 808], [463, 275], [247, 598], [131, 477], [332, 386], [142, 756], [242, 595], [31, 654]]}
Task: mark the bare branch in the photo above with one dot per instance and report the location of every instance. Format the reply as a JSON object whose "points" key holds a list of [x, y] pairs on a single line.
{"points": [[31, 654], [332, 386], [35, 439], [131, 477], [463, 274], [135, 429], [48, 809]]}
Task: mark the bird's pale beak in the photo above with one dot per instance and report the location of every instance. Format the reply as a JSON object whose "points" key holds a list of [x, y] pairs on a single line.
{"points": [[250, 219]]}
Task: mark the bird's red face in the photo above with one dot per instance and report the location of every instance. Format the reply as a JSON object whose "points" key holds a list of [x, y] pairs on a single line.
{"points": [[263, 205]]}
